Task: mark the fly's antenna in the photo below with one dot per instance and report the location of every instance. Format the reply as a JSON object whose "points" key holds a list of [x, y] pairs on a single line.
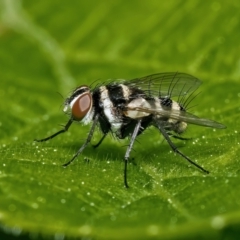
{"points": [[60, 95], [62, 104]]}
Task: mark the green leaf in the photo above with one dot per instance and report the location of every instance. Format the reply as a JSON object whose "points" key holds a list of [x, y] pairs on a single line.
{"points": [[50, 47]]}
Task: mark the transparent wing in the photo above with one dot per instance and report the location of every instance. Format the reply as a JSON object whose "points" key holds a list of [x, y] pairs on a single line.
{"points": [[166, 84], [180, 116]]}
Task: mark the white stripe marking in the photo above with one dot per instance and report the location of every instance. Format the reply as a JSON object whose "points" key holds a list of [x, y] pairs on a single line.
{"points": [[109, 110], [126, 91]]}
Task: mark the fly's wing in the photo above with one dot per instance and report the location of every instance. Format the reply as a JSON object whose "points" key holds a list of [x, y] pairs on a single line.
{"points": [[166, 84], [179, 115], [192, 119]]}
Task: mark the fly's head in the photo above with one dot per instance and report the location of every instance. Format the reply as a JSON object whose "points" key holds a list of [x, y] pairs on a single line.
{"points": [[79, 104]]}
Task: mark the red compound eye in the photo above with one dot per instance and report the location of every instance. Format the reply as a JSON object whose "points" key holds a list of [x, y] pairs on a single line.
{"points": [[81, 106]]}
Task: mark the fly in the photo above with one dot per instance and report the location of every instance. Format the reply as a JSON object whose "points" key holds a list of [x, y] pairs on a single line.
{"points": [[126, 108]]}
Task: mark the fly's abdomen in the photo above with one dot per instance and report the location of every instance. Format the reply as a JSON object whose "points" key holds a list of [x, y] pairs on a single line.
{"points": [[172, 111]]}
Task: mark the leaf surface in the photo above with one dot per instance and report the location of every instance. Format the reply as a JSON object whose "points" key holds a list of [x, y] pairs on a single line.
{"points": [[50, 47]]}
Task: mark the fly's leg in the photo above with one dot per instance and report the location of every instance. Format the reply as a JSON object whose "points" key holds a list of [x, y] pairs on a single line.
{"points": [[127, 154], [174, 148], [98, 144], [178, 137], [89, 137], [66, 127]]}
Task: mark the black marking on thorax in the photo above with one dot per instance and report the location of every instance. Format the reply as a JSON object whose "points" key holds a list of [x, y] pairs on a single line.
{"points": [[116, 95], [136, 93], [96, 97]]}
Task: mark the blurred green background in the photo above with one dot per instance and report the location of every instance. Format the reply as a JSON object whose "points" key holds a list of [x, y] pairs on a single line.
{"points": [[50, 47]]}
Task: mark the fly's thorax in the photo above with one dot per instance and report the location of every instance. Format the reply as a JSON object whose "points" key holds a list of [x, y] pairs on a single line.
{"points": [[135, 109], [80, 105]]}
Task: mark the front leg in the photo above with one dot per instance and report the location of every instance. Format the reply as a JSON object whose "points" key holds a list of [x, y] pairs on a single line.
{"points": [[66, 127], [89, 137], [127, 154]]}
